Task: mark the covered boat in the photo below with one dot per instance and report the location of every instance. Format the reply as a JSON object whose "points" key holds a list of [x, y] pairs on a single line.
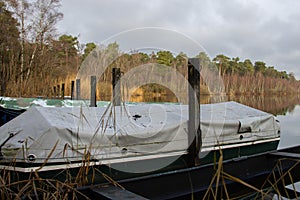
{"points": [[45, 139]]}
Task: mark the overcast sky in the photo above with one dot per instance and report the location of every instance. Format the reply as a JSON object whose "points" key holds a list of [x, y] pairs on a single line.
{"points": [[264, 30]]}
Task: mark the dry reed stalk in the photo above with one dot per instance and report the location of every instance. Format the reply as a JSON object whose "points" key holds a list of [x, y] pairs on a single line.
{"points": [[216, 179], [280, 180], [110, 180]]}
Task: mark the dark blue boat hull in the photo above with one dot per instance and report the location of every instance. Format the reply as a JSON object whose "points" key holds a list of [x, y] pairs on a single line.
{"points": [[7, 114]]}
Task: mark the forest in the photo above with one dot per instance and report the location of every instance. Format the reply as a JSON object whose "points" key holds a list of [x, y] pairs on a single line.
{"points": [[35, 57]]}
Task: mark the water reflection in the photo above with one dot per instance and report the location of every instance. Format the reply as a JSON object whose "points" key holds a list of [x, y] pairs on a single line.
{"points": [[277, 105], [155, 97], [290, 135]]}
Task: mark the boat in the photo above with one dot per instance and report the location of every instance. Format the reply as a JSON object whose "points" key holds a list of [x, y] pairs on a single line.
{"points": [[131, 140], [13, 107], [7, 114]]}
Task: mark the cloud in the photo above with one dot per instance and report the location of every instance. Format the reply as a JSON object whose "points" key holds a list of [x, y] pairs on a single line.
{"points": [[260, 30]]}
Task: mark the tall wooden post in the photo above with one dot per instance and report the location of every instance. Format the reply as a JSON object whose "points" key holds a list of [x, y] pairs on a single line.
{"points": [[93, 91], [116, 75], [77, 89], [194, 132], [54, 91], [72, 90], [62, 90], [58, 91]]}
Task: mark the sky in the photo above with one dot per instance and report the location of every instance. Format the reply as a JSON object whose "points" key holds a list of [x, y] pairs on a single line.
{"points": [[261, 30]]}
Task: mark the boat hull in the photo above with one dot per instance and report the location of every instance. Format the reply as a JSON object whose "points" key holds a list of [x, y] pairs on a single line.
{"points": [[96, 172], [7, 114]]}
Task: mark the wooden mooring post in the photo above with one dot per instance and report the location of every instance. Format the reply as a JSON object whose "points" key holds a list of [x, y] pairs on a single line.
{"points": [[116, 76], [54, 91], [72, 89], [77, 89], [93, 91], [62, 90], [58, 91], [194, 132]]}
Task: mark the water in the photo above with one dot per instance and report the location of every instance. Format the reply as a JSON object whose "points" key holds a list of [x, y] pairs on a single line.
{"points": [[290, 123]]}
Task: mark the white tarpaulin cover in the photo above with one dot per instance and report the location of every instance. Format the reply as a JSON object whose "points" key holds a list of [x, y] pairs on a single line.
{"points": [[64, 134]]}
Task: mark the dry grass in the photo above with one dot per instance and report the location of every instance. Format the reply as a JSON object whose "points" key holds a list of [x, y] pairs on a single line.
{"points": [[36, 187], [279, 178], [14, 186], [275, 184], [218, 183]]}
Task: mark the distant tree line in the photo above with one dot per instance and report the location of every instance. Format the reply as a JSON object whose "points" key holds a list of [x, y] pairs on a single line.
{"points": [[244, 77], [34, 57]]}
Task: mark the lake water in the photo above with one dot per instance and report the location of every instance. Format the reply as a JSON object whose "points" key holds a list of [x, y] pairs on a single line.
{"points": [[290, 123]]}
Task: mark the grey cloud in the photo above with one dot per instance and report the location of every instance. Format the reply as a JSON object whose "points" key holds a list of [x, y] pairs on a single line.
{"points": [[260, 30]]}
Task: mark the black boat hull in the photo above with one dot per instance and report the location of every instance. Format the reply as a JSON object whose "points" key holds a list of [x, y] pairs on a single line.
{"points": [[7, 114]]}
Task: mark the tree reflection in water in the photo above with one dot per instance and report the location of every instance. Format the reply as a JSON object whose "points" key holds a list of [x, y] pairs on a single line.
{"points": [[275, 104]]}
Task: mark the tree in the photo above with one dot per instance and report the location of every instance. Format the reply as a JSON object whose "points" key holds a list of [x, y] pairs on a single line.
{"points": [[112, 51], [180, 62], [284, 75], [248, 67], [233, 66], [37, 20], [165, 58], [222, 62], [144, 58], [21, 10], [292, 76], [204, 59], [259, 66], [180, 59], [271, 72], [45, 17], [88, 48], [67, 51], [68, 45], [9, 47]]}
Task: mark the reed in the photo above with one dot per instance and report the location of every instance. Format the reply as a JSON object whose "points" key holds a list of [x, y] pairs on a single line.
{"points": [[37, 187], [275, 184], [276, 181]]}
